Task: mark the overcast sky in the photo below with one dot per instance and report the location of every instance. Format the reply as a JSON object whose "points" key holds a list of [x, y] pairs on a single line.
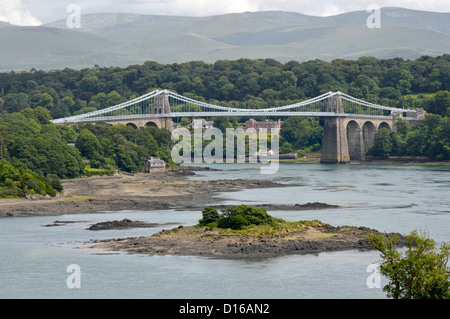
{"points": [[36, 12]]}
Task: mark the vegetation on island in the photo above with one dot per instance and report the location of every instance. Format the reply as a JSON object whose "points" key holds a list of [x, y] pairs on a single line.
{"points": [[248, 219], [420, 272]]}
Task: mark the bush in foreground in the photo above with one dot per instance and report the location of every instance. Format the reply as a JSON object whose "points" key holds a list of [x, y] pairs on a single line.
{"points": [[420, 273]]}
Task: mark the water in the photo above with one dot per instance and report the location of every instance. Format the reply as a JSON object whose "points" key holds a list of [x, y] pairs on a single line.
{"points": [[34, 259]]}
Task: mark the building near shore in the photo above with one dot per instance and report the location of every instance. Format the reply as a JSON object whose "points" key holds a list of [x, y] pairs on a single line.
{"points": [[201, 123], [259, 126], [155, 164]]}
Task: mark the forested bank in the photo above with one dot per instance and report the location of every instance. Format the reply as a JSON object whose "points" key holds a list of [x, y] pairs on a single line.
{"points": [[35, 153], [245, 83]]}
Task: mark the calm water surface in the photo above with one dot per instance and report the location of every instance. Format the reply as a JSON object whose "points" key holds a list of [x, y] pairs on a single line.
{"points": [[34, 258]]}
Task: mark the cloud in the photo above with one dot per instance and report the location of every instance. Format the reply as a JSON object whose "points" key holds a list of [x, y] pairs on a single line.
{"points": [[14, 12]]}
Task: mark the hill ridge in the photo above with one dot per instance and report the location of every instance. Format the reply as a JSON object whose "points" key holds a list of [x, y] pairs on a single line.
{"points": [[122, 39]]}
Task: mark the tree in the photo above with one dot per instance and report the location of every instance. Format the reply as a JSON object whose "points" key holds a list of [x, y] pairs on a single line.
{"points": [[286, 148], [19, 181], [55, 182], [238, 217], [383, 145], [404, 83], [301, 132], [441, 103], [113, 98], [15, 102], [88, 144], [210, 215], [420, 273], [46, 101]]}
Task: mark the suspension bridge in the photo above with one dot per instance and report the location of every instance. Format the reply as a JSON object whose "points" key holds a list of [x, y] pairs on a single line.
{"points": [[350, 123]]}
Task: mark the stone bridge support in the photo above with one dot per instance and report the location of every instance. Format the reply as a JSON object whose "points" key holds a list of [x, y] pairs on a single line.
{"points": [[348, 138]]}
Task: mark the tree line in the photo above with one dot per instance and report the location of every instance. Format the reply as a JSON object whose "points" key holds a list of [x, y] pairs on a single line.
{"points": [[431, 139], [245, 83], [36, 154]]}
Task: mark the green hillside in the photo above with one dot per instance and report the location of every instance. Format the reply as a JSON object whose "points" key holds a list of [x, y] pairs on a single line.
{"points": [[48, 48]]}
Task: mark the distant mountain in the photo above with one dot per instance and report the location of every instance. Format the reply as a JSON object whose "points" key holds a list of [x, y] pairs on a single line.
{"points": [[124, 39], [23, 48]]}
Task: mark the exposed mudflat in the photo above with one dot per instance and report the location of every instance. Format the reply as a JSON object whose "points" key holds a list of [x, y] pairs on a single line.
{"points": [[154, 191]]}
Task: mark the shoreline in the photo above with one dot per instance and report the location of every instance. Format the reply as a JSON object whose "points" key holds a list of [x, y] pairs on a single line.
{"points": [[223, 244], [370, 160], [155, 191]]}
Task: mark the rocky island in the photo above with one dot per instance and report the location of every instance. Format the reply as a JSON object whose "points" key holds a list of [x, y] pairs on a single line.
{"points": [[245, 232]]}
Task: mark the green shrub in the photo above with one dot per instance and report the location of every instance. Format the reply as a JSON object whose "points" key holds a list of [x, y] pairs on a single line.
{"points": [[210, 215], [21, 181], [238, 217], [55, 182], [301, 153]]}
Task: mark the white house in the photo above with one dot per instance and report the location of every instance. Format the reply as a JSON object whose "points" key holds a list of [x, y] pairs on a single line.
{"points": [[155, 164], [201, 123]]}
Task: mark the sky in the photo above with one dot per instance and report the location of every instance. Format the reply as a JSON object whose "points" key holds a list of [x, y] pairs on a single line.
{"points": [[37, 12]]}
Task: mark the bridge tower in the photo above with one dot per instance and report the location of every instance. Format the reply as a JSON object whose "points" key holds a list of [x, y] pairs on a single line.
{"points": [[334, 142], [162, 105]]}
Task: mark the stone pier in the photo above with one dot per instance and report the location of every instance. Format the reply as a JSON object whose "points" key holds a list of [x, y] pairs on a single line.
{"points": [[334, 143], [348, 138]]}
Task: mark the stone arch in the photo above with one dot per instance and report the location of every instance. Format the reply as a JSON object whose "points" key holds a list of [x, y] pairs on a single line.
{"points": [[384, 125], [151, 123], [369, 131], [355, 140], [132, 125]]}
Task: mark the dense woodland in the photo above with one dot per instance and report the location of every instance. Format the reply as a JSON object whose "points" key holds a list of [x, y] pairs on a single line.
{"points": [[35, 153], [29, 142], [249, 83]]}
